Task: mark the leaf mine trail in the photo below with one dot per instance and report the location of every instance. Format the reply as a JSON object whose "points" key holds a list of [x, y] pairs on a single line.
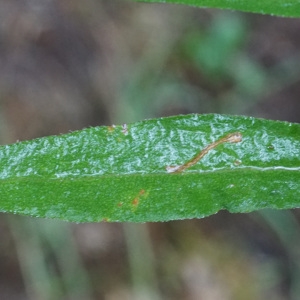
{"points": [[235, 137]]}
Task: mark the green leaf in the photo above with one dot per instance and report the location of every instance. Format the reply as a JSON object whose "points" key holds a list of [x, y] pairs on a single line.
{"points": [[122, 173], [284, 8]]}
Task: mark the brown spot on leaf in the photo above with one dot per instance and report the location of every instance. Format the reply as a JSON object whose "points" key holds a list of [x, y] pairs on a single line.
{"points": [[135, 202], [120, 204], [138, 197], [111, 128]]}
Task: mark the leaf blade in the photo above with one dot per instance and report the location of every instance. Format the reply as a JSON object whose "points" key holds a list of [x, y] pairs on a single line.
{"points": [[118, 173]]}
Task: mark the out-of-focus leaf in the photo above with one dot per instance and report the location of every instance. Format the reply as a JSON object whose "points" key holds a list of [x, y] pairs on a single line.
{"points": [[285, 8]]}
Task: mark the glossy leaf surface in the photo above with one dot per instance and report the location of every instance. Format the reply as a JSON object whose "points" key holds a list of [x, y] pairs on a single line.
{"points": [[121, 173], [284, 8]]}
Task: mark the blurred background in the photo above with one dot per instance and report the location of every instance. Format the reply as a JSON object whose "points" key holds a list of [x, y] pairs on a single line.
{"points": [[66, 65]]}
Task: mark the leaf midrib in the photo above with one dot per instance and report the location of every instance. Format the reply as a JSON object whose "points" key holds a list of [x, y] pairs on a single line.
{"points": [[105, 176]]}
